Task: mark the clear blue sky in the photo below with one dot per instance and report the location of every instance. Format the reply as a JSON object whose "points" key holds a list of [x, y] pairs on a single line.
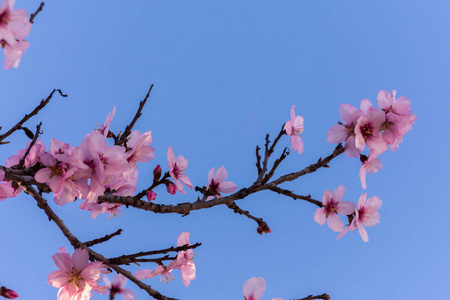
{"points": [[225, 74]]}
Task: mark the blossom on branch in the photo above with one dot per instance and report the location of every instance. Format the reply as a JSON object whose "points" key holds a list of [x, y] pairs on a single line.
{"points": [[370, 165], [332, 205], [14, 28], [217, 183], [117, 287], [7, 293], [76, 277], [366, 215], [176, 169], [294, 128]]}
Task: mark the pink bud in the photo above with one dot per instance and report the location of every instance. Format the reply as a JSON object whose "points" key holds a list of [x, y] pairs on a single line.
{"points": [[157, 173], [7, 293], [171, 188], [263, 228], [151, 195]]}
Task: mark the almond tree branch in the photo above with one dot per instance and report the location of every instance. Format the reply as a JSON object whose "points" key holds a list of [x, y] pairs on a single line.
{"points": [[267, 155], [295, 196], [35, 111], [76, 243], [123, 138], [32, 16], [240, 211], [103, 239]]}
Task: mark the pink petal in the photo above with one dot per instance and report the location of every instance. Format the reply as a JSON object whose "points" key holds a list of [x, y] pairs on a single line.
{"points": [[80, 259], [221, 175], [58, 278], [211, 175], [227, 187], [346, 110], [183, 239], [346, 208], [363, 233], [338, 193], [184, 179], [320, 216], [254, 287], [337, 134], [335, 223]]}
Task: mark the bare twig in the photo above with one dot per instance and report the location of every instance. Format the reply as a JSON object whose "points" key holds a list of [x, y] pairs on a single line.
{"points": [[277, 162], [119, 259], [240, 211], [41, 105], [123, 138], [295, 196], [103, 239], [32, 16], [267, 154]]}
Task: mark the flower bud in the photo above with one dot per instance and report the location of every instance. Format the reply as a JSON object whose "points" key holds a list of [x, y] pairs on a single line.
{"points": [[7, 293], [157, 173], [171, 188], [151, 195], [263, 228]]}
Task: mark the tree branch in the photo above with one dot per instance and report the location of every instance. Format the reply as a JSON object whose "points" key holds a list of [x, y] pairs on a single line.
{"points": [[295, 196], [32, 16], [103, 239], [311, 297]]}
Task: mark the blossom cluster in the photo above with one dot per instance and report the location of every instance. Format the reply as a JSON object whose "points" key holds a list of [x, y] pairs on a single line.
{"points": [[14, 28]]}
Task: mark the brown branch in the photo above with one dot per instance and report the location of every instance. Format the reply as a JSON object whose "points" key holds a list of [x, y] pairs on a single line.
{"points": [[32, 16], [321, 163], [240, 211], [41, 105], [103, 239], [42, 203], [36, 135], [155, 184], [311, 297], [123, 138], [295, 196], [267, 154], [277, 162], [119, 259]]}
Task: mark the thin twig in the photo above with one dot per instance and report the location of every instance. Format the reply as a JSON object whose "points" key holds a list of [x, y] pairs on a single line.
{"points": [[103, 239], [311, 297], [123, 138], [32, 16], [277, 162], [118, 259], [295, 196], [35, 111], [267, 154]]}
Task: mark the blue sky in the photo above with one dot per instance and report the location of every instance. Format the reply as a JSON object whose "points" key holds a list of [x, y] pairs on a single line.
{"points": [[225, 74]]}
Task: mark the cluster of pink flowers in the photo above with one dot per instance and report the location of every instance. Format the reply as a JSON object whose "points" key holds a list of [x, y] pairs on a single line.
{"points": [[376, 128], [77, 278], [184, 263], [366, 213], [14, 28], [254, 289]]}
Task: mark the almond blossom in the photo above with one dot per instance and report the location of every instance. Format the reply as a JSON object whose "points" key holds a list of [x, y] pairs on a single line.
{"points": [[367, 131], [188, 269], [164, 271], [14, 28], [399, 117], [176, 169], [370, 164], [76, 277], [117, 287], [217, 183], [366, 215], [345, 131], [294, 128], [6, 190], [332, 205], [254, 288]]}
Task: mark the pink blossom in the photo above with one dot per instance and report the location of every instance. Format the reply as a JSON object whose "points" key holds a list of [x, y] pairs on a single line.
{"points": [[217, 183], [104, 128], [14, 28], [366, 215], [157, 173], [345, 131], [399, 117], [254, 288], [140, 150], [7, 293], [32, 157], [367, 131], [176, 169], [188, 269], [117, 287], [332, 205], [294, 128], [76, 277], [6, 190], [165, 272], [370, 165], [263, 228]]}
